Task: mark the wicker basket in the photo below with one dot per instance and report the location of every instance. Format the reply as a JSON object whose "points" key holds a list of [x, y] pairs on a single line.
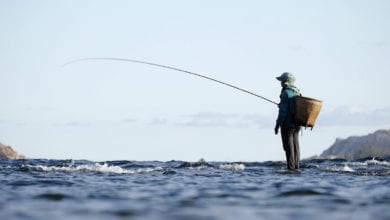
{"points": [[307, 110]]}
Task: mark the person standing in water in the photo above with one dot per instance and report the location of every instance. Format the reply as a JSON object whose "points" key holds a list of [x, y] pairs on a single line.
{"points": [[286, 123]]}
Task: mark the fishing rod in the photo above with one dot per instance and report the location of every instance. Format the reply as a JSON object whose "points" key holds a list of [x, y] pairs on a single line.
{"points": [[172, 68]]}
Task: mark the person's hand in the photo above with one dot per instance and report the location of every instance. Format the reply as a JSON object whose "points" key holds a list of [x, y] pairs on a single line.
{"points": [[277, 128]]}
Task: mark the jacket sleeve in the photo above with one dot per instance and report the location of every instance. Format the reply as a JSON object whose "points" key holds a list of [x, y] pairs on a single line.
{"points": [[283, 108]]}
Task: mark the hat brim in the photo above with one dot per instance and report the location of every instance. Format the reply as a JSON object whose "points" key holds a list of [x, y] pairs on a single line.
{"points": [[279, 78]]}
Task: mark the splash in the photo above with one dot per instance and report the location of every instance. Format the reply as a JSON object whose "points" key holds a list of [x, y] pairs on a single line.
{"points": [[102, 168], [233, 167], [344, 168], [371, 162]]}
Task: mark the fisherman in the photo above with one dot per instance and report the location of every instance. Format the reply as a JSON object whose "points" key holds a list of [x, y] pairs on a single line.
{"points": [[286, 123]]}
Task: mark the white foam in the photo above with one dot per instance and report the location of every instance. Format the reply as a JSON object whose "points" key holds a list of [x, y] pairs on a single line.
{"points": [[345, 168], [369, 163], [104, 168], [198, 167], [233, 167]]}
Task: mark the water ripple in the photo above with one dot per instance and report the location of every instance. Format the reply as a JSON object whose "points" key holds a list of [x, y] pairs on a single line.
{"points": [[79, 189]]}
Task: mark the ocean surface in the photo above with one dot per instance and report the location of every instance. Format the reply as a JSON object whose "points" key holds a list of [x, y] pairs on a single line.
{"points": [[79, 189]]}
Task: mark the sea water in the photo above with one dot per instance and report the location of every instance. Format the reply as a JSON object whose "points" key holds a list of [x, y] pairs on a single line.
{"points": [[79, 189]]}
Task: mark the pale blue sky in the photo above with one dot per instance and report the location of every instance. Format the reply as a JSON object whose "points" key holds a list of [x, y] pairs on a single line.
{"points": [[338, 50]]}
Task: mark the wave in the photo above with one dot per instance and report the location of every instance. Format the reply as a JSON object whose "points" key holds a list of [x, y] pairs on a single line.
{"points": [[102, 168], [364, 167], [303, 192], [233, 167], [202, 164], [344, 168], [367, 166], [371, 162]]}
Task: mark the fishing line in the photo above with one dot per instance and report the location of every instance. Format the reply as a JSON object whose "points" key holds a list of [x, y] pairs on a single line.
{"points": [[172, 68]]}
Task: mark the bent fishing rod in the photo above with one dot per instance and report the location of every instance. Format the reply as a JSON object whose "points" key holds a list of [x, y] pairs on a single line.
{"points": [[172, 68]]}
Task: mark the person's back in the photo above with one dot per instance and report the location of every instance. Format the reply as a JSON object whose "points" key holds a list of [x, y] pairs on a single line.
{"points": [[287, 105]]}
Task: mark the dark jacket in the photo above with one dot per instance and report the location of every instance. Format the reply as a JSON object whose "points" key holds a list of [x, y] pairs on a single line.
{"points": [[287, 106]]}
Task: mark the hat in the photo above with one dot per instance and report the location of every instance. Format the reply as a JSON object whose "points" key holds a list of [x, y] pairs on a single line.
{"points": [[286, 77]]}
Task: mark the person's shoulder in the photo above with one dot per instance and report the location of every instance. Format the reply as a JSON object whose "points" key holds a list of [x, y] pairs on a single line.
{"points": [[292, 91], [285, 92], [289, 91]]}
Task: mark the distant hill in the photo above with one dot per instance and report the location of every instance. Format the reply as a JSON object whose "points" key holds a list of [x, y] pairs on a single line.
{"points": [[376, 144], [6, 152]]}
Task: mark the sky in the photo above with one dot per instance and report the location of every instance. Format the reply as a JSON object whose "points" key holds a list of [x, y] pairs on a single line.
{"points": [[103, 110]]}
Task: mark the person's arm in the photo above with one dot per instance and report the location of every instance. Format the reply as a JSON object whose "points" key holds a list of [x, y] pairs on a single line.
{"points": [[283, 108]]}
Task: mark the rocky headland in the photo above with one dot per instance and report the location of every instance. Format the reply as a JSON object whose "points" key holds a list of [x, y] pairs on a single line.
{"points": [[376, 144], [6, 152]]}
